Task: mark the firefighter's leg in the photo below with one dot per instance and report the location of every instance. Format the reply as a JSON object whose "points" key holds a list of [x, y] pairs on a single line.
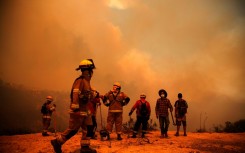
{"points": [[118, 123], [94, 127], [110, 122], [85, 141], [46, 124], [74, 125]]}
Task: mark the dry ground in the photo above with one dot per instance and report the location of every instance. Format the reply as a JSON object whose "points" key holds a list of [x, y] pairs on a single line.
{"points": [[193, 143]]}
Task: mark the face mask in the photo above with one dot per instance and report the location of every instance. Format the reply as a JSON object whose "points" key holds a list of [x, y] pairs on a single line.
{"points": [[162, 95]]}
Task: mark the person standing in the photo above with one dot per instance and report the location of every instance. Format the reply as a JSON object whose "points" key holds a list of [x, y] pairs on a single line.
{"points": [[93, 104], [180, 114], [115, 100], [47, 110], [143, 113], [162, 106], [80, 116]]}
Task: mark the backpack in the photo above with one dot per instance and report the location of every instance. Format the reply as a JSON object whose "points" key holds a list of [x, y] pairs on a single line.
{"points": [[182, 108], [44, 109], [143, 109]]}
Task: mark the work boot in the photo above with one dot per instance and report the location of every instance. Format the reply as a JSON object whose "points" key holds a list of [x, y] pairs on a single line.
{"points": [[56, 145], [45, 134], [162, 136], [143, 135], [177, 134], [166, 135], [185, 134], [87, 149], [119, 137]]}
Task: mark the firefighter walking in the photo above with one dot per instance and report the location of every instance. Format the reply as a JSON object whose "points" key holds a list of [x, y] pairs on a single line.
{"points": [[47, 110], [115, 100], [80, 116], [143, 113]]}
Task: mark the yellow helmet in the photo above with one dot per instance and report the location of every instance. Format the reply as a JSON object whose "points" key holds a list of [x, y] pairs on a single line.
{"points": [[86, 65], [49, 98], [117, 84], [142, 95]]}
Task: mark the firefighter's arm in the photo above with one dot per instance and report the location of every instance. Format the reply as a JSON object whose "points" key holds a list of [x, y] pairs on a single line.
{"points": [[53, 108], [126, 99], [105, 100], [75, 96]]}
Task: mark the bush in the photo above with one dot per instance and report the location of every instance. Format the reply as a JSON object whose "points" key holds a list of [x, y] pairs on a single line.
{"points": [[238, 126]]}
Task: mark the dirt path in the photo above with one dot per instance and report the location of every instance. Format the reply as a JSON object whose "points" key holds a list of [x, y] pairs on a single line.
{"points": [[193, 143]]}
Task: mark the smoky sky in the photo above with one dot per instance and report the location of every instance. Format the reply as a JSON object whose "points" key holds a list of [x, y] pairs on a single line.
{"points": [[193, 47]]}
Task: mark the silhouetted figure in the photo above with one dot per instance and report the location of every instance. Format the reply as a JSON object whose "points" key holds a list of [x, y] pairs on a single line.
{"points": [[180, 114], [115, 100], [47, 110], [162, 106], [93, 104], [80, 116], [143, 113]]}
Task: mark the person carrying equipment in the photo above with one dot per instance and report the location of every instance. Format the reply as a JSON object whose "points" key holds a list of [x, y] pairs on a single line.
{"points": [[80, 115], [162, 106], [47, 110], [143, 113], [115, 100], [180, 113]]}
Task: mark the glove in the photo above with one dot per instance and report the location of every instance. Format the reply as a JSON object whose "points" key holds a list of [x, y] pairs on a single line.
{"points": [[130, 113]]}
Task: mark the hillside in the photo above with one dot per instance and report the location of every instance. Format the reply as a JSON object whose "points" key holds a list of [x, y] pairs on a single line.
{"points": [[193, 143]]}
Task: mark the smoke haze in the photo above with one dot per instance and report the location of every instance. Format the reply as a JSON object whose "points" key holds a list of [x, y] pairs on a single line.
{"points": [[193, 47]]}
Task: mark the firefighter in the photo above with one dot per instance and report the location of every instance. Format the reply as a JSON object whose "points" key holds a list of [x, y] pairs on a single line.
{"points": [[115, 100], [80, 116], [143, 113], [180, 113], [47, 110], [92, 105], [162, 106]]}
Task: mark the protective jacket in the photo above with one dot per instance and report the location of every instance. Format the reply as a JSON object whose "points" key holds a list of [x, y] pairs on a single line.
{"points": [[81, 95], [116, 101]]}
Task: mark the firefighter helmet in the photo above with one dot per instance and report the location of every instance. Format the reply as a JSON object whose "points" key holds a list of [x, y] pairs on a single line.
{"points": [[49, 98], [86, 64], [162, 91], [117, 84], [142, 95]]}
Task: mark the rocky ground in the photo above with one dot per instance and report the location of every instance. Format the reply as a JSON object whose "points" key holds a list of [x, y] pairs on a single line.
{"points": [[193, 143]]}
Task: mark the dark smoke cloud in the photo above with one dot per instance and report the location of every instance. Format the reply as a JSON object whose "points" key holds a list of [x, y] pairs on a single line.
{"points": [[193, 47]]}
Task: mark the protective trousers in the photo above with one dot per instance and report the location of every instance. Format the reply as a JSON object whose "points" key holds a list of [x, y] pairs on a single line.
{"points": [[164, 123], [76, 121], [140, 120], [114, 117], [92, 128], [46, 124]]}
